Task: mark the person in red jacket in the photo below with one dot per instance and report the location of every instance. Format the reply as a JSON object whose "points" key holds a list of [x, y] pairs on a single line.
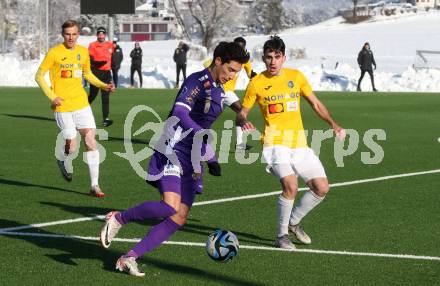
{"points": [[101, 63]]}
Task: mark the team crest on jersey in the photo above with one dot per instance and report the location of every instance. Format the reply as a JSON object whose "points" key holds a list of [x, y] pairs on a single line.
{"points": [[78, 57], [189, 99], [290, 84]]}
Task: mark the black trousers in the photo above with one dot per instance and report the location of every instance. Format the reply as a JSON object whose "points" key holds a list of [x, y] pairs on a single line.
{"points": [[139, 71], [115, 76], [178, 69], [104, 76], [370, 72]]}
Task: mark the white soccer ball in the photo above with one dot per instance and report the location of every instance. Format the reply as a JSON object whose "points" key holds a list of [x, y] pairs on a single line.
{"points": [[222, 245]]}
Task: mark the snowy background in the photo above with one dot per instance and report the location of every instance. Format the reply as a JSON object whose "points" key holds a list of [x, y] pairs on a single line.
{"points": [[393, 39]]}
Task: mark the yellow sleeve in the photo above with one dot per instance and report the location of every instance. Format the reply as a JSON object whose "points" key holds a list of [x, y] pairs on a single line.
{"points": [[207, 63], [248, 68], [306, 89], [90, 77], [250, 96], [47, 63]]}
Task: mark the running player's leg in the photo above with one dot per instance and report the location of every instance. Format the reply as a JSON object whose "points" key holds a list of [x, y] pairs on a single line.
{"points": [[312, 172], [66, 124], [277, 158], [85, 123]]}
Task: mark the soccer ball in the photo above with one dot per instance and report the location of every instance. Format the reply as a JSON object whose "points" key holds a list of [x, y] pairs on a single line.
{"points": [[222, 245]]}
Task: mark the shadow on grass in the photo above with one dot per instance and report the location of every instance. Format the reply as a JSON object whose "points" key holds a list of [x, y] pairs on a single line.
{"points": [[30, 117], [24, 184], [71, 250], [190, 227], [133, 140]]}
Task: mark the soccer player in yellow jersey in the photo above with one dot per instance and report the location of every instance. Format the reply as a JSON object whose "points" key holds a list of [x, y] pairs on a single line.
{"points": [[67, 64], [278, 92], [231, 99]]}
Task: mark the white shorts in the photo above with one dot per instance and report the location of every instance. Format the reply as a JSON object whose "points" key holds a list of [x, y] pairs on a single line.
{"points": [[69, 122], [284, 161], [229, 98]]}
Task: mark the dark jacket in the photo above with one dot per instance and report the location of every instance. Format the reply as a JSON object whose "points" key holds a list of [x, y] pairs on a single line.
{"points": [[136, 57], [366, 59], [180, 55], [117, 58]]}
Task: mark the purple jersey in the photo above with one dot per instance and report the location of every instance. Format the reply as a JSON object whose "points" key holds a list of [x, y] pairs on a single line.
{"points": [[198, 104], [203, 99]]}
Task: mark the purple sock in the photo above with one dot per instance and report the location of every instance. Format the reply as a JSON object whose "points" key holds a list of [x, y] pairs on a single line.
{"points": [[146, 210], [155, 237]]}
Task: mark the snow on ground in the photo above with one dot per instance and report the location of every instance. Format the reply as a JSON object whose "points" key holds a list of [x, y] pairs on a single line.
{"points": [[393, 40]]}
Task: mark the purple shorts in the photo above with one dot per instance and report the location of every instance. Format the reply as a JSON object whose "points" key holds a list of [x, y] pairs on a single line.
{"points": [[167, 177]]}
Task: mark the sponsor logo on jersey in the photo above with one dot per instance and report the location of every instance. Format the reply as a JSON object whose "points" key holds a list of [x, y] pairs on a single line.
{"points": [[66, 74], [64, 58], [274, 97], [195, 91], [275, 108], [268, 87], [171, 170], [294, 94], [67, 66], [78, 57], [290, 84], [203, 77]]}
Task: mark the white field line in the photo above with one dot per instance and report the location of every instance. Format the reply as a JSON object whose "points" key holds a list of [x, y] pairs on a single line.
{"points": [[251, 247], [82, 219]]}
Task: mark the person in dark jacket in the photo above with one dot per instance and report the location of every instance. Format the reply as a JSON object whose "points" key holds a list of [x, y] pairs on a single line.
{"points": [[136, 63], [180, 60], [366, 61], [117, 58]]}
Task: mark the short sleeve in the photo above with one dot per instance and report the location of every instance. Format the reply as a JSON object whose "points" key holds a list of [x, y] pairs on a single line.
{"points": [[306, 89], [250, 95]]}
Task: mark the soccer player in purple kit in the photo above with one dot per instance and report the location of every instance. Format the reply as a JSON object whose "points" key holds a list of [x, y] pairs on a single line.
{"points": [[198, 104]]}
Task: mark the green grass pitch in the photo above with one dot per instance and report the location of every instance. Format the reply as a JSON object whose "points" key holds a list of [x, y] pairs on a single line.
{"points": [[395, 215]]}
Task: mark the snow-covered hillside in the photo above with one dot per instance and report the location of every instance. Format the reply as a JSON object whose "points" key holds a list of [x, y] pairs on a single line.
{"points": [[393, 40]]}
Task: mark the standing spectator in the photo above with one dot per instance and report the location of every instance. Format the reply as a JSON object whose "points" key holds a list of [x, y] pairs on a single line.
{"points": [[101, 61], [117, 58], [136, 63], [180, 60], [366, 61]]}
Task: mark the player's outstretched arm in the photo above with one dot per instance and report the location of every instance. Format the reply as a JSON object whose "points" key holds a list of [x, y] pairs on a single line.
{"points": [[241, 120], [323, 112]]}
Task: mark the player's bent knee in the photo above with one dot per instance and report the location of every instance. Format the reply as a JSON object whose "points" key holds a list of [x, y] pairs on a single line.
{"points": [[89, 139]]}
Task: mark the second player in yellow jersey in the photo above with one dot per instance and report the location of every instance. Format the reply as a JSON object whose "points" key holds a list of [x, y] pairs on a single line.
{"points": [[278, 92]]}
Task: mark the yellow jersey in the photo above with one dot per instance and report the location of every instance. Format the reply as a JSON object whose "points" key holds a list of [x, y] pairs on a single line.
{"points": [[67, 67], [279, 100], [230, 85]]}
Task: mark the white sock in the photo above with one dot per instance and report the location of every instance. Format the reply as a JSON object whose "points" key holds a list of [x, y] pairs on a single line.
{"points": [[92, 159], [284, 210], [239, 135], [308, 202]]}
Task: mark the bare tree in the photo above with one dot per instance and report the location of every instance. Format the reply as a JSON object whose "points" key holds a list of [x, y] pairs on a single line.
{"points": [[180, 20], [355, 3], [211, 17]]}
